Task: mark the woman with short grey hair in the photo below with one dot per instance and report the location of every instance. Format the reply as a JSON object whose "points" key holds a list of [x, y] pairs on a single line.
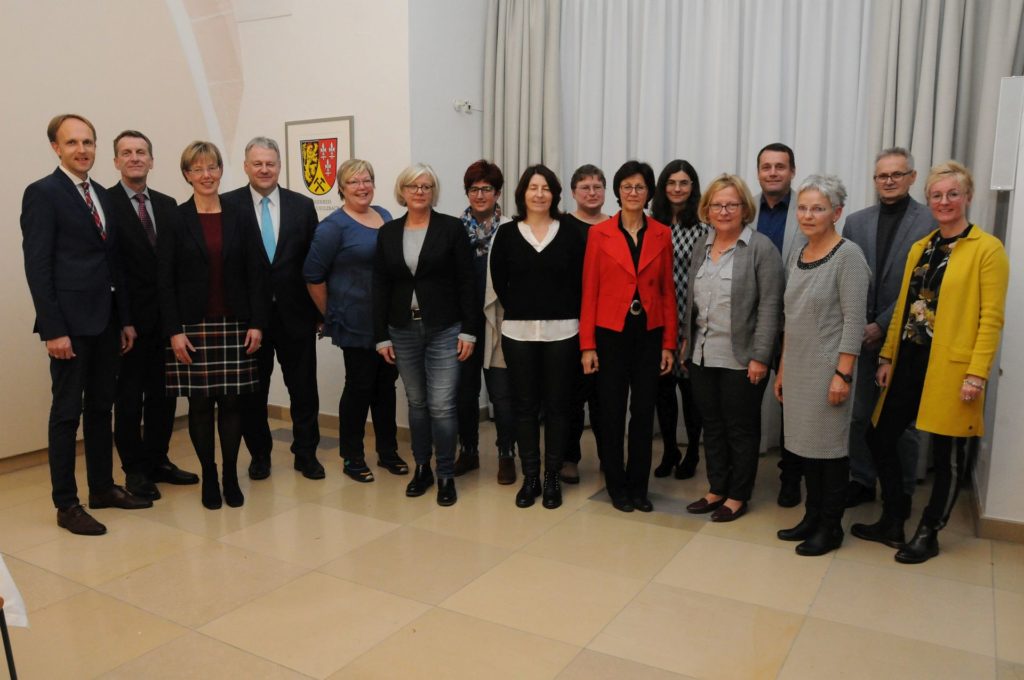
{"points": [[825, 303]]}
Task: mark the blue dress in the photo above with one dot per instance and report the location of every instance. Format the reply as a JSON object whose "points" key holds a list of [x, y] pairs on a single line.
{"points": [[342, 255]]}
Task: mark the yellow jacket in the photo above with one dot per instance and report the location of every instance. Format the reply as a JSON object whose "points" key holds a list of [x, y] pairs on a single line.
{"points": [[968, 322]]}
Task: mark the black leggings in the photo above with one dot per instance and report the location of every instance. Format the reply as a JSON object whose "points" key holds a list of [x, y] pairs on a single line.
{"points": [[229, 426]]}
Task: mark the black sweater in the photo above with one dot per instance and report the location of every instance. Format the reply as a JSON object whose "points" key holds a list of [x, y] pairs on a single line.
{"points": [[538, 286]]}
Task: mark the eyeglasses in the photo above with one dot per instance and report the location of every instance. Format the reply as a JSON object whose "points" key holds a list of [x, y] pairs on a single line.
{"points": [[589, 188], [892, 176], [359, 183], [632, 188], [418, 188], [950, 196], [480, 191], [724, 207], [678, 183], [199, 172], [816, 210]]}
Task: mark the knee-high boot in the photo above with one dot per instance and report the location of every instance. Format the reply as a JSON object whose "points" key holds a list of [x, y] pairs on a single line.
{"points": [[828, 536]]}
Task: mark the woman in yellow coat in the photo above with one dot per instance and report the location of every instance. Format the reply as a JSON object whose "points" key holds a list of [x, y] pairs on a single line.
{"points": [[936, 359]]}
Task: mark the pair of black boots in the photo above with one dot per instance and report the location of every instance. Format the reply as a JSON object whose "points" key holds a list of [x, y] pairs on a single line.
{"points": [[922, 546], [674, 463], [820, 531], [531, 489], [211, 488]]}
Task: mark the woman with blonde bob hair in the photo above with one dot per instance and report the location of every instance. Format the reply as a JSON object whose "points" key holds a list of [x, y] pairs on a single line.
{"points": [[936, 359], [425, 320], [733, 314]]}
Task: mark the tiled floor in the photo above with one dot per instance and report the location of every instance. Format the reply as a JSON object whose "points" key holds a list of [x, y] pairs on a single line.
{"points": [[334, 579]]}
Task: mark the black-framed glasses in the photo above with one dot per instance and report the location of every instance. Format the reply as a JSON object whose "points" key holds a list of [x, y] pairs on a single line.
{"points": [[887, 177]]}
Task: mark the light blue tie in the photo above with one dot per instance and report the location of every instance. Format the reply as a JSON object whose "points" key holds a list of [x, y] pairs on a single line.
{"points": [[267, 227]]}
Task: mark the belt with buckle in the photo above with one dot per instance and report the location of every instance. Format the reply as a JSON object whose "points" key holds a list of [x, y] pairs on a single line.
{"points": [[415, 315], [636, 307]]}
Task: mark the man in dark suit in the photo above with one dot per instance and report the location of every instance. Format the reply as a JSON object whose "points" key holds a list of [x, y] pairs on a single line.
{"points": [[776, 219], [286, 222], [885, 233], [141, 213], [69, 237]]}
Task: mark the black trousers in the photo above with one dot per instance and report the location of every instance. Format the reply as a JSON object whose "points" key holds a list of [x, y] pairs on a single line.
{"points": [[584, 394], [297, 356], [731, 407], [628, 367], [826, 481], [499, 393], [543, 375], [142, 398], [83, 388], [369, 388], [900, 410], [668, 412]]}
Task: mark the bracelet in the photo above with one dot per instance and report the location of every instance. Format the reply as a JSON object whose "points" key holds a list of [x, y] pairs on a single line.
{"points": [[978, 386]]}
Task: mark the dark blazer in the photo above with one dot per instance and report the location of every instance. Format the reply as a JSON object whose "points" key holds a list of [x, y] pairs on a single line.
{"points": [[444, 280], [293, 308], [862, 228], [184, 275], [755, 297], [610, 280], [138, 257], [74, 274]]}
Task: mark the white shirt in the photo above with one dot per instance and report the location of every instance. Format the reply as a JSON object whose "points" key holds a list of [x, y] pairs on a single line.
{"points": [[539, 330], [92, 194], [275, 210]]}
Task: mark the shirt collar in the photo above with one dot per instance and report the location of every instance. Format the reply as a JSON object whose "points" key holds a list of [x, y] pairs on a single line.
{"points": [[131, 192], [745, 237], [74, 178], [783, 203], [274, 196]]}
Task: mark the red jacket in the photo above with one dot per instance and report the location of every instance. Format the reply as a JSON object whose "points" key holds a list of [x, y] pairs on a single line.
{"points": [[609, 281]]}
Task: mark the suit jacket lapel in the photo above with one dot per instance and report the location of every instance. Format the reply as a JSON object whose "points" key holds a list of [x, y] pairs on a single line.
{"points": [[616, 246], [284, 230], [193, 226], [654, 242], [903, 237], [871, 238]]}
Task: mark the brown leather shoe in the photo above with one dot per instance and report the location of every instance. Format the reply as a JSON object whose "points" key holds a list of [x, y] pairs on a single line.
{"points": [[117, 497], [725, 514], [506, 469], [76, 520]]}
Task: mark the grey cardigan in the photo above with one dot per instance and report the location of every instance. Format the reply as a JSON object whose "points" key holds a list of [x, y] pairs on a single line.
{"points": [[757, 288]]}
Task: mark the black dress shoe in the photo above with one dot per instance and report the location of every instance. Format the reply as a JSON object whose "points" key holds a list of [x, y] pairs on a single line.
{"points": [[357, 470], [529, 491], [446, 492], [309, 466], [622, 504], [552, 490], [394, 464], [259, 468], [169, 473], [703, 506], [422, 479], [117, 497], [857, 493], [643, 504], [727, 514], [138, 484], [789, 494], [76, 520], [886, 530], [668, 461]]}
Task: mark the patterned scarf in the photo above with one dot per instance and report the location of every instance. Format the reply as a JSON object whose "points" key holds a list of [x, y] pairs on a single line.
{"points": [[683, 240], [481, 234]]}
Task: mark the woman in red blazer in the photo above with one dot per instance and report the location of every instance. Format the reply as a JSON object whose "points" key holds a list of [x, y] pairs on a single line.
{"points": [[628, 330]]}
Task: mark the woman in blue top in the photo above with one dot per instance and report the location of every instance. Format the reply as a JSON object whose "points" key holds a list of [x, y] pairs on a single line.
{"points": [[339, 275]]}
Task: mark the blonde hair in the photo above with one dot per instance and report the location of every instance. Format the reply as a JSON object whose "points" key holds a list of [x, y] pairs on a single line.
{"points": [[410, 175], [724, 181], [196, 150], [951, 167]]}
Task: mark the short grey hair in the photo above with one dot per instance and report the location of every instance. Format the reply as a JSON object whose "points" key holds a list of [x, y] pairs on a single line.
{"points": [[829, 186], [263, 143], [410, 175], [897, 151]]}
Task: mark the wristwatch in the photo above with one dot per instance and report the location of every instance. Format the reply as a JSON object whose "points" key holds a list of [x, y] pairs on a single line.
{"points": [[847, 377]]}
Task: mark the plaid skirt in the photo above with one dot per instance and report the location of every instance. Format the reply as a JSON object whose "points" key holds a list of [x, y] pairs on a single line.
{"points": [[219, 364]]}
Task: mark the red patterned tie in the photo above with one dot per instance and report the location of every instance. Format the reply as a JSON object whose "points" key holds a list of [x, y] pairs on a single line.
{"points": [[147, 222], [95, 213]]}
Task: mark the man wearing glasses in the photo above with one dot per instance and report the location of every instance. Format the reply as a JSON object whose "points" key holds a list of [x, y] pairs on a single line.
{"points": [[286, 221], [885, 233]]}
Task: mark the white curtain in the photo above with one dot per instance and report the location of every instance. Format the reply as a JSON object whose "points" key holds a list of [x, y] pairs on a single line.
{"points": [[712, 81], [521, 88]]}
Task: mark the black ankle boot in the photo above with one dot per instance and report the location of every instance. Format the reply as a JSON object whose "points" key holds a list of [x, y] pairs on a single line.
{"points": [[922, 547], [468, 460], [528, 491], [688, 467], [422, 479], [669, 460], [887, 530], [826, 538], [803, 530], [232, 493], [211, 488], [446, 492], [552, 490]]}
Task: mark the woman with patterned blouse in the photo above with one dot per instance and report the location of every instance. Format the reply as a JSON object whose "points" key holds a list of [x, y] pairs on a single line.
{"points": [[936, 359]]}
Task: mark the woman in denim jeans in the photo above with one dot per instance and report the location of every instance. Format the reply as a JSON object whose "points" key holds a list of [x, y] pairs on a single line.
{"points": [[425, 318]]}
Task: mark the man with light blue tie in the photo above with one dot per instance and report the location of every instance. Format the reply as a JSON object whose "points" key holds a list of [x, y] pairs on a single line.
{"points": [[286, 221]]}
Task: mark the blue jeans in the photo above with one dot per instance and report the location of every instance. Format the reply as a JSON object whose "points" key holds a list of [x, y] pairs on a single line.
{"points": [[428, 362]]}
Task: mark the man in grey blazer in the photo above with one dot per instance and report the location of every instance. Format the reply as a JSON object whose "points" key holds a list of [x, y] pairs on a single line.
{"points": [[776, 219], [884, 232]]}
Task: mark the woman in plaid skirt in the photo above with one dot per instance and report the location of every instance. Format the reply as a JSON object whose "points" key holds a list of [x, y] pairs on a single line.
{"points": [[213, 306]]}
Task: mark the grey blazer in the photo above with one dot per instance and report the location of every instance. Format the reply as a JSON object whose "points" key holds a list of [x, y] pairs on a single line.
{"points": [[862, 228], [793, 237], [756, 296]]}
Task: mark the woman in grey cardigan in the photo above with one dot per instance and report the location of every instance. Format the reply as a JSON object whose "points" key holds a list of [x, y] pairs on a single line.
{"points": [[826, 301], [733, 309]]}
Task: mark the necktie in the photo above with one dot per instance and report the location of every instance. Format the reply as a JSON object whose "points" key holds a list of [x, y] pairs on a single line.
{"points": [[147, 222], [267, 228], [95, 213]]}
